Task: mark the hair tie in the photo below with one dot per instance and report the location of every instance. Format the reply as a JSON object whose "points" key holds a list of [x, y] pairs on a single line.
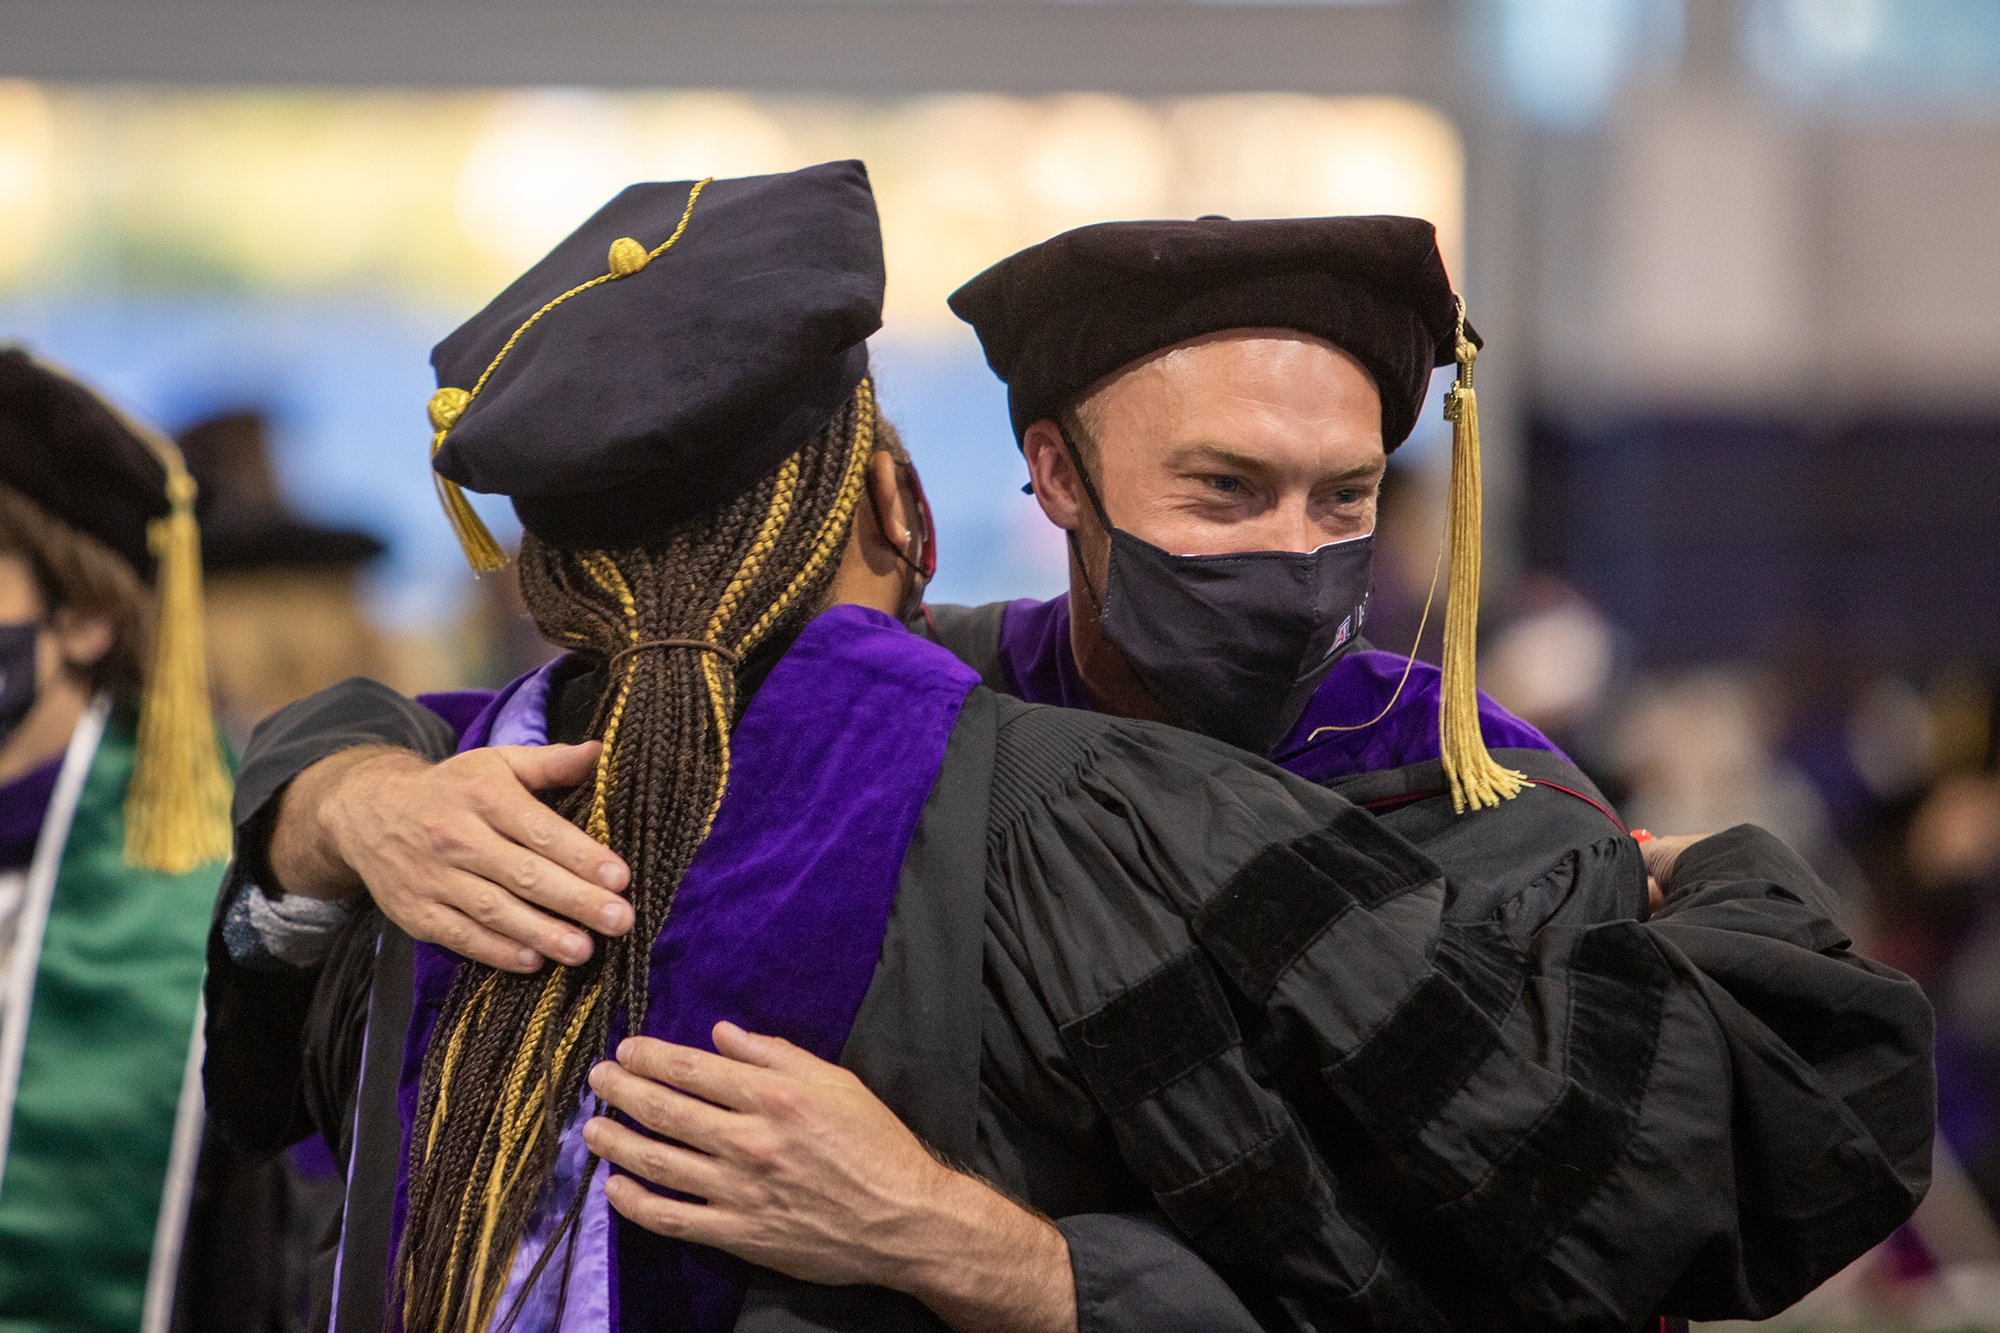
{"points": [[702, 644]]}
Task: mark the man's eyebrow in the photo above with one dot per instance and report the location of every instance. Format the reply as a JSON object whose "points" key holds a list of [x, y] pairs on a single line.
{"points": [[1219, 455], [1361, 471], [1223, 456]]}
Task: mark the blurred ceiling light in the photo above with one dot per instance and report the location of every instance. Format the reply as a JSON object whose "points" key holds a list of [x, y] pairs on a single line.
{"points": [[1879, 52], [313, 199], [1562, 61], [938, 229], [1096, 159], [946, 173], [1843, 32], [312, 190], [687, 136], [1287, 156], [542, 164], [27, 180]]}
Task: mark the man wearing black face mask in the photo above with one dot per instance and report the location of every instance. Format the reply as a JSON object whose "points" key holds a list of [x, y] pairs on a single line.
{"points": [[1206, 408]]}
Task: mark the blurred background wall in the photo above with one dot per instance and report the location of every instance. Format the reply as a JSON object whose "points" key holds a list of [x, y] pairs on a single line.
{"points": [[1734, 260]]}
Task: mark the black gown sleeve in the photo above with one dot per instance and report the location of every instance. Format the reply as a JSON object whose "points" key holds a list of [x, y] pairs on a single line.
{"points": [[256, 1021], [1364, 1112], [1136, 1274], [1832, 1071]]}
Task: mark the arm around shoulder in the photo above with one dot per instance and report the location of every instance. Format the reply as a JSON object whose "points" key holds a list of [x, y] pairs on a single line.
{"points": [[354, 714], [256, 1016]]}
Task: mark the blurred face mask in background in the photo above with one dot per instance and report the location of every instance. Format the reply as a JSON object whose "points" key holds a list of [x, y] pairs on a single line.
{"points": [[17, 674]]}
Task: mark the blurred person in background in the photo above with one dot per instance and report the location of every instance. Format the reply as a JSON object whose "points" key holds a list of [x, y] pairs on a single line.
{"points": [[1558, 663], [1929, 841], [284, 613], [1954, 876], [1696, 751], [113, 828]]}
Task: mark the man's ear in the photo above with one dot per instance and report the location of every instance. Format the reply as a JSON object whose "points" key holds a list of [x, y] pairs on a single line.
{"points": [[83, 638], [1053, 476]]}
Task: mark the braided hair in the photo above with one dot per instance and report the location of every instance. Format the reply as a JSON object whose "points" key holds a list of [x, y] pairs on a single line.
{"points": [[510, 1055]]}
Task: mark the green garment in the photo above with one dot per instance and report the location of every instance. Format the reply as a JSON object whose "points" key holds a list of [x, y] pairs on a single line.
{"points": [[116, 990]]}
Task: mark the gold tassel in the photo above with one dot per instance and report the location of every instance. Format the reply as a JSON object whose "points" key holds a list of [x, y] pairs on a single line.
{"points": [[177, 808], [482, 552], [1476, 779]]}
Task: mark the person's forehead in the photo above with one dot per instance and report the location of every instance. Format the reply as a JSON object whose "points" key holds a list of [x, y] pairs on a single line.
{"points": [[1225, 362]]}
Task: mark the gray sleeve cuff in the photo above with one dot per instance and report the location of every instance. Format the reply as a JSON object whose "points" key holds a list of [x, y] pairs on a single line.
{"points": [[287, 934], [1136, 1274]]}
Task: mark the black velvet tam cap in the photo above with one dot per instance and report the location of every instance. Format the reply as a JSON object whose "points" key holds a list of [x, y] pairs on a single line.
{"points": [[245, 524], [63, 448], [1060, 316], [675, 348]]}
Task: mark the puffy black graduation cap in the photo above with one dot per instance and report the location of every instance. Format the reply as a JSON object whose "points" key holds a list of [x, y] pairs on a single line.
{"points": [[1059, 316], [245, 523], [675, 348], [63, 448]]}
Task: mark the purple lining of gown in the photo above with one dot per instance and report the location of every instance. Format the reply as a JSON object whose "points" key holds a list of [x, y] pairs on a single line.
{"points": [[24, 803], [779, 921], [462, 708], [1036, 660]]}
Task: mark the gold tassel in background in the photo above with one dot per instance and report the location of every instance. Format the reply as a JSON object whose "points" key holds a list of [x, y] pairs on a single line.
{"points": [[1476, 779], [177, 808]]}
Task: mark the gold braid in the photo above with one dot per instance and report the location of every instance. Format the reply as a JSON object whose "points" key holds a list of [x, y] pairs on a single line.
{"points": [[508, 1067]]}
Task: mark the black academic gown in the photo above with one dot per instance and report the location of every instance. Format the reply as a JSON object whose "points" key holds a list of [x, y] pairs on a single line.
{"points": [[1269, 1063]]}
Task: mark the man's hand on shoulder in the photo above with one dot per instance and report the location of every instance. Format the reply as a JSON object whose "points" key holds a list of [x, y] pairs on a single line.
{"points": [[458, 853], [804, 1170]]}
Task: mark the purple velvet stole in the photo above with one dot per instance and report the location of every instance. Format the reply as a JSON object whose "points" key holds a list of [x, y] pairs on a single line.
{"points": [[24, 803], [778, 923], [1039, 667]]}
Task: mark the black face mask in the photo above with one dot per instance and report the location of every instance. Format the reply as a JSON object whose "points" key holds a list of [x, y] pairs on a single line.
{"points": [[1234, 644], [17, 674]]}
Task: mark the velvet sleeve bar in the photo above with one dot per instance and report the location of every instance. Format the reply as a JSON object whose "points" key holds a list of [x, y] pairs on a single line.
{"points": [[1233, 1000]]}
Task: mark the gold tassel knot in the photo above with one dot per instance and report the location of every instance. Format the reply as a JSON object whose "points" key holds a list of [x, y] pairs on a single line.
{"points": [[626, 257], [482, 550]]}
